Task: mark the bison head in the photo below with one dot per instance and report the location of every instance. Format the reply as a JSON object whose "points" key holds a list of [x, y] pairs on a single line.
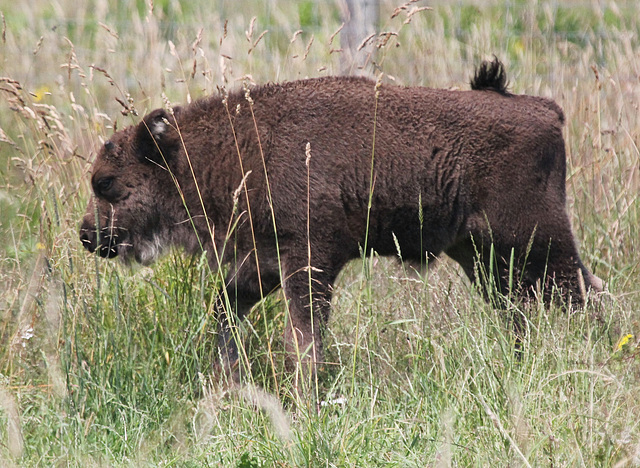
{"points": [[131, 179]]}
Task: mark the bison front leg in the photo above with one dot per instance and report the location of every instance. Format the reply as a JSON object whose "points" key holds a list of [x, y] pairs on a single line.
{"points": [[244, 288], [231, 310], [309, 299]]}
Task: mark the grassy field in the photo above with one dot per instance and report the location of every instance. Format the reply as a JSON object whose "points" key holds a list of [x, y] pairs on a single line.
{"points": [[101, 365]]}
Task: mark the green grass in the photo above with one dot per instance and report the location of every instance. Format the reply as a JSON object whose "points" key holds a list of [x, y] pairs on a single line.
{"points": [[101, 365]]}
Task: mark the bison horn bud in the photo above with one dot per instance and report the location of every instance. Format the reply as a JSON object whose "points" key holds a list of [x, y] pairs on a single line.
{"points": [[157, 139], [159, 128]]}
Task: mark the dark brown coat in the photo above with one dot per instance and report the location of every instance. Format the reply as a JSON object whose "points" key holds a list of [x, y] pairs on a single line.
{"points": [[487, 167]]}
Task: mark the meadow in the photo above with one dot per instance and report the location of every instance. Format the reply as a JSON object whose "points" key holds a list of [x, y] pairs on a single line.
{"points": [[104, 365]]}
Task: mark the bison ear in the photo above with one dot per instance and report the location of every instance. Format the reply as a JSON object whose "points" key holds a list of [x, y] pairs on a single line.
{"points": [[157, 139]]}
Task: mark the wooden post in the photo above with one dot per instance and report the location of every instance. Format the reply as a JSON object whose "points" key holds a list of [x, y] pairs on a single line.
{"points": [[361, 20]]}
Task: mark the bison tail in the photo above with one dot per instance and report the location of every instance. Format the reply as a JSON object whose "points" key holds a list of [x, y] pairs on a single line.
{"points": [[490, 76]]}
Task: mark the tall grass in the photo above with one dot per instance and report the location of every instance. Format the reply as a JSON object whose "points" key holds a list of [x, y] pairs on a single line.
{"points": [[101, 365]]}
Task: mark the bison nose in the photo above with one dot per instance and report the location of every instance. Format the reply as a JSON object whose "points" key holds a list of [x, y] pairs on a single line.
{"points": [[88, 237], [108, 244], [105, 242]]}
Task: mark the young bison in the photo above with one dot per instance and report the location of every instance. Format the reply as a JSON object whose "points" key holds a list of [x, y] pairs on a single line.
{"points": [[289, 183]]}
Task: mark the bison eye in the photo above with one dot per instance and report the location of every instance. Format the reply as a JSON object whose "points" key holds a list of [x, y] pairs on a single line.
{"points": [[103, 185]]}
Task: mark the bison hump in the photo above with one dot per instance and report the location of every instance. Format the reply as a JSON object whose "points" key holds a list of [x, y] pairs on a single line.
{"points": [[490, 76]]}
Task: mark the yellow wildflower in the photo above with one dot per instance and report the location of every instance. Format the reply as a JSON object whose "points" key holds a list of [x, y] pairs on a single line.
{"points": [[40, 93], [518, 47], [622, 341]]}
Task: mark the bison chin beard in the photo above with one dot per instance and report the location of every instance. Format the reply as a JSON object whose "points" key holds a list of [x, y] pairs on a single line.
{"points": [[143, 250]]}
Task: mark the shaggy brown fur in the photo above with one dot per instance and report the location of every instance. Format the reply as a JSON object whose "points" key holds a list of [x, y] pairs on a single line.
{"points": [[487, 166]]}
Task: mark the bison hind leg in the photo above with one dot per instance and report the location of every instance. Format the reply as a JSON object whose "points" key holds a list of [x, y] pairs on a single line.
{"points": [[541, 264], [571, 280]]}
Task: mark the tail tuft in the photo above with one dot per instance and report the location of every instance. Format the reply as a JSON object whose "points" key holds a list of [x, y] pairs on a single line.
{"points": [[490, 76]]}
